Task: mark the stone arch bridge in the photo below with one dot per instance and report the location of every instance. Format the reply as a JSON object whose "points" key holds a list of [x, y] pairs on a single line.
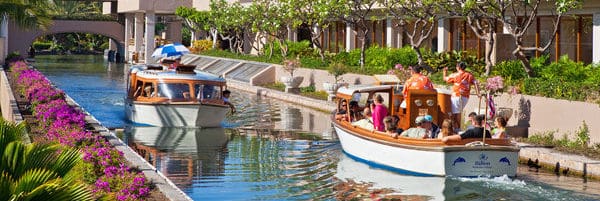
{"points": [[20, 39]]}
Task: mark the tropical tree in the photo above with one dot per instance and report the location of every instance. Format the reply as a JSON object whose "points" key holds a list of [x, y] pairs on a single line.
{"points": [[516, 16], [482, 23], [231, 22], [37, 172], [26, 13], [357, 13], [416, 17], [74, 8], [198, 21], [316, 14]]}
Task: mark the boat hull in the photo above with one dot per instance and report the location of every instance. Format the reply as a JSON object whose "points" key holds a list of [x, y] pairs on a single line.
{"points": [[460, 161], [175, 115]]}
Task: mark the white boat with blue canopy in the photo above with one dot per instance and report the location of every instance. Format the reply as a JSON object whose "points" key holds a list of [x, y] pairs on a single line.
{"points": [[419, 157], [182, 97]]}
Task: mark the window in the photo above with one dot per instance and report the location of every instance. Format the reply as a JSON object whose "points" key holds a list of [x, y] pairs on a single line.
{"points": [[174, 90]]}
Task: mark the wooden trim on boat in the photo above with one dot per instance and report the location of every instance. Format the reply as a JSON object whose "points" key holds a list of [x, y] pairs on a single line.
{"points": [[421, 144]]}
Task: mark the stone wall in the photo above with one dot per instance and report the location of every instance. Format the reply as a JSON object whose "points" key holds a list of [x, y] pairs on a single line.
{"points": [[8, 103]]}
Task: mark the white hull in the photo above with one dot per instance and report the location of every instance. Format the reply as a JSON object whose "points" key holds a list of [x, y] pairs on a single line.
{"points": [[458, 161], [175, 115]]}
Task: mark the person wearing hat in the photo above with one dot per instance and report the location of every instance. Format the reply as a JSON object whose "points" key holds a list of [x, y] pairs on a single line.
{"points": [[422, 131], [416, 81], [435, 129], [461, 90]]}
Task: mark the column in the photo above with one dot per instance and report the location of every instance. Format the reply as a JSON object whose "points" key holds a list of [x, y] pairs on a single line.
{"points": [[149, 36], [139, 33], [292, 34], [174, 31], [596, 38], [349, 37], [389, 33], [4, 36], [443, 34], [128, 31]]}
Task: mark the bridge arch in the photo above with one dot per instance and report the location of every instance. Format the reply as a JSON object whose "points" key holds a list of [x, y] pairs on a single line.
{"points": [[20, 39]]}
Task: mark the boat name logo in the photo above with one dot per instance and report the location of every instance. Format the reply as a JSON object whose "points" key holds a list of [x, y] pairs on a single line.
{"points": [[482, 161], [483, 157], [459, 160], [504, 160]]}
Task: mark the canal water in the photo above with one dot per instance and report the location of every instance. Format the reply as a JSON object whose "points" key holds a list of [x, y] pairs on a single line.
{"points": [[274, 150]]}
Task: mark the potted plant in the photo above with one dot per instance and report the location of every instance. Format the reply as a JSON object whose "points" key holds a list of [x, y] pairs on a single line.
{"points": [[290, 65], [336, 69]]}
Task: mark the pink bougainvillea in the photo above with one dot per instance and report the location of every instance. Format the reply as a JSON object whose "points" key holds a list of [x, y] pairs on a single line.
{"points": [[63, 123]]}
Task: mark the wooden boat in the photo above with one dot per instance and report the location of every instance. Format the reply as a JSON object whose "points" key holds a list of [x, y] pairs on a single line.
{"points": [[182, 97], [421, 157]]}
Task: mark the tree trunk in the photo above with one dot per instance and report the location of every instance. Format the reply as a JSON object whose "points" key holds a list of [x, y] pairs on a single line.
{"points": [[419, 55], [214, 33], [525, 61], [317, 44], [489, 50]]}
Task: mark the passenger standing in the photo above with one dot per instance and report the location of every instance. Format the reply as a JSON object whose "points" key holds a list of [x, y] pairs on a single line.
{"points": [[379, 112], [416, 81], [461, 89]]}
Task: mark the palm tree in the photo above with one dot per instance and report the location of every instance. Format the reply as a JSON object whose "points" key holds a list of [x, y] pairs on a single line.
{"points": [[26, 13], [37, 172]]}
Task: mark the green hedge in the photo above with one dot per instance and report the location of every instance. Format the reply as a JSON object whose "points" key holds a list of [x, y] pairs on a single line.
{"points": [[42, 45]]}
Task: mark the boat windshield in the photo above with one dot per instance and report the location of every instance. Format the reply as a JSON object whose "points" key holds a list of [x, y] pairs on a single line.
{"points": [[174, 90], [206, 91]]}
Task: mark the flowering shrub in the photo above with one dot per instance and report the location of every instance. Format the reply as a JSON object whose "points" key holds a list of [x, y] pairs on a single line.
{"points": [[494, 85], [290, 65], [104, 166], [402, 73]]}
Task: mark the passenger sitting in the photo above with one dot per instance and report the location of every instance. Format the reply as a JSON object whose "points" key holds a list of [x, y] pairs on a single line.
{"points": [[355, 113], [475, 132], [226, 94], [396, 120], [500, 130], [422, 131], [435, 129], [390, 127], [446, 130], [148, 91], [341, 111], [367, 121]]}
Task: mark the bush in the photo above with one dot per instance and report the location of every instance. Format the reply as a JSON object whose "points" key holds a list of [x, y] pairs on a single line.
{"points": [[438, 61], [201, 46], [512, 71], [301, 49], [38, 45]]}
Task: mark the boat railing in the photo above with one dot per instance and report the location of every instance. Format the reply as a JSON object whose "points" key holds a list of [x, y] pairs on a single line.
{"points": [[381, 136]]}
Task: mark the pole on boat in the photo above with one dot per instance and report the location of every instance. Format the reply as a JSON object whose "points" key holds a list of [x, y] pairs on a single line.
{"points": [[485, 116]]}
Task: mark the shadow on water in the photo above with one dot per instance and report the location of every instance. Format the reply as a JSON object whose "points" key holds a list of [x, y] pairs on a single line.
{"points": [[273, 150]]}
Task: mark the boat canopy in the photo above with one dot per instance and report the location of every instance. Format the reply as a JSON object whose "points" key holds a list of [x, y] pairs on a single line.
{"points": [[141, 71], [346, 92]]}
